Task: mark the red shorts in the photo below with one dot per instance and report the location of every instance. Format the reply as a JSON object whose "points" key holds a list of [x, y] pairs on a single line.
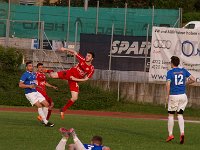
{"points": [[65, 75]]}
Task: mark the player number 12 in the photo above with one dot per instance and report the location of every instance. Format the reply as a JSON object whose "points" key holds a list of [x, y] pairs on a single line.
{"points": [[178, 79]]}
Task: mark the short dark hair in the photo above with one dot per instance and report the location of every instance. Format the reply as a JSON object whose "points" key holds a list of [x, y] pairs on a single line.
{"points": [[98, 139], [175, 60], [29, 62], [39, 64], [92, 53]]}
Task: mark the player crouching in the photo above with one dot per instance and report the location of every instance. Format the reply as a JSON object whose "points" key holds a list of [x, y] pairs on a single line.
{"points": [[28, 83]]}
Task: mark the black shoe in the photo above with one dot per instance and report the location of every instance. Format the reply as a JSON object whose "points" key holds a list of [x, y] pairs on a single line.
{"points": [[49, 124]]}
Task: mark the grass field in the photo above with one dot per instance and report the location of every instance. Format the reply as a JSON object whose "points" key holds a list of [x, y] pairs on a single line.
{"points": [[21, 131]]}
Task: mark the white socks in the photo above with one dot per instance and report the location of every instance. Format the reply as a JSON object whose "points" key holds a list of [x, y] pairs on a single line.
{"points": [[181, 123], [41, 113], [45, 110], [170, 124], [61, 145]]}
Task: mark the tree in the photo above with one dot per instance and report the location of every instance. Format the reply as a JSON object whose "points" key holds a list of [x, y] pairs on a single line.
{"points": [[46, 3], [187, 5], [197, 5]]}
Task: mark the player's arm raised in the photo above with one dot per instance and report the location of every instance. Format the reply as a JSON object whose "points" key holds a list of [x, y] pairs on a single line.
{"points": [[79, 80], [190, 80], [51, 86], [73, 52], [24, 86]]}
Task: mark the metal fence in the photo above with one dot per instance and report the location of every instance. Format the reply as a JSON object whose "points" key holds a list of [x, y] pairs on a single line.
{"points": [[66, 23]]}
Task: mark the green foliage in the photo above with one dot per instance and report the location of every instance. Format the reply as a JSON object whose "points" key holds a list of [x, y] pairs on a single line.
{"points": [[46, 3], [10, 93], [191, 16], [187, 5], [4, 1], [90, 98], [197, 5], [10, 59]]}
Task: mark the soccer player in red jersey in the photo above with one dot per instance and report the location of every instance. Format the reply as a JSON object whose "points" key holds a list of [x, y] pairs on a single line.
{"points": [[42, 83], [79, 73]]}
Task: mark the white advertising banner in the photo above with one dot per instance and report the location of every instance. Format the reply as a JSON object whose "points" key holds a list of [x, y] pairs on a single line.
{"points": [[168, 42]]}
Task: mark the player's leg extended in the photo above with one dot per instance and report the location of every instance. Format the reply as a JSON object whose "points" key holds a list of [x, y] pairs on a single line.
{"points": [[45, 108], [54, 75], [51, 105], [35, 100], [43, 111], [61, 145], [74, 88], [77, 143], [40, 111], [66, 134], [69, 103], [60, 75]]}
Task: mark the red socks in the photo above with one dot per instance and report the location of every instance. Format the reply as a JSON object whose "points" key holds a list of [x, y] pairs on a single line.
{"points": [[69, 103], [49, 114]]}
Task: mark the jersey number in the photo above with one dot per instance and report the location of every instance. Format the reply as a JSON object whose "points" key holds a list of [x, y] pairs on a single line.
{"points": [[179, 79]]}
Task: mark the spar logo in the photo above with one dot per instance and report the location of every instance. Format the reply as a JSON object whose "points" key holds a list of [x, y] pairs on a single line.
{"points": [[190, 48], [126, 47]]}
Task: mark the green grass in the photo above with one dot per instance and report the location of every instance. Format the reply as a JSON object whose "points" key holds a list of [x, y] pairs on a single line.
{"points": [[21, 131], [193, 113]]}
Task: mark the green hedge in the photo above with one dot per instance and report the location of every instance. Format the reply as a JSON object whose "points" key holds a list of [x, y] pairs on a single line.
{"points": [[191, 16], [10, 59], [90, 98], [10, 94]]}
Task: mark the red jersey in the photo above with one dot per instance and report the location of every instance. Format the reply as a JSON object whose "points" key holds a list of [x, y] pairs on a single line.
{"points": [[41, 82], [82, 70]]}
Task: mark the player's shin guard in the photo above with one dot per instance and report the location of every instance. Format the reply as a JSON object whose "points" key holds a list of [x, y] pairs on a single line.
{"points": [[69, 104], [61, 145], [41, 113], [170, 124], [45, 110], [181, 123]]}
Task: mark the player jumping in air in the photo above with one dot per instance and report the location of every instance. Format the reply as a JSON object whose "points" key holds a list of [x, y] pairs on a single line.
{"points": [[79, 73], [42, 83], [177, 79], [28, 82], [96, 142]]}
